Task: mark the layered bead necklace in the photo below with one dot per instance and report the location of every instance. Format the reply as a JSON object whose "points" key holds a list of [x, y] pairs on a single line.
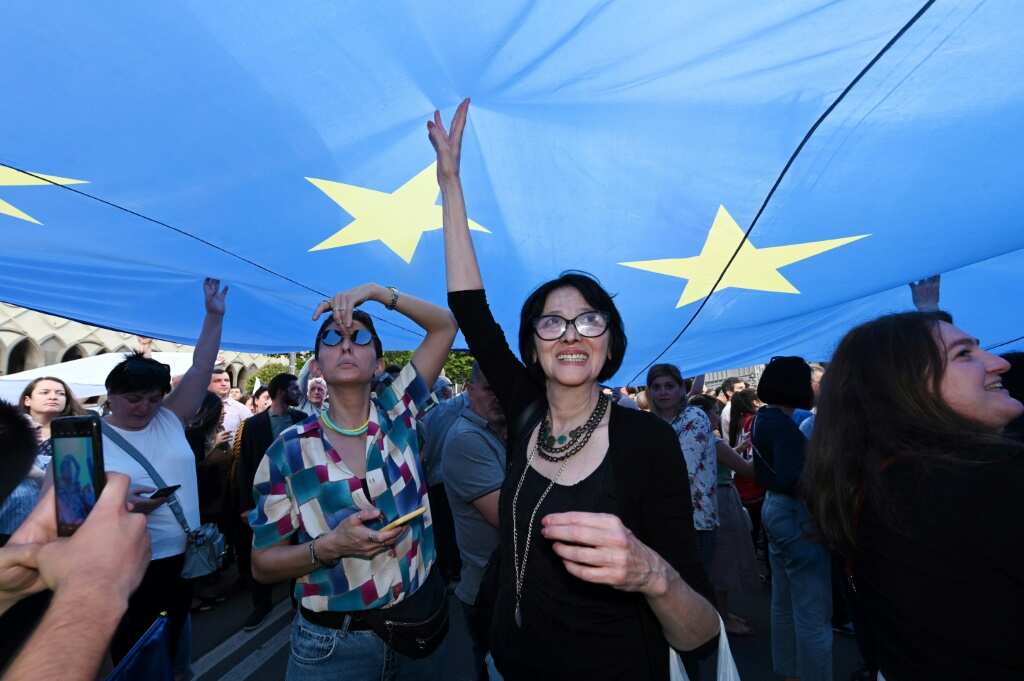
{"points": [[557, 450]]}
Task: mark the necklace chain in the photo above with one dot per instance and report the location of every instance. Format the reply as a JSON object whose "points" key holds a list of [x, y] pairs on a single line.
{"points": [[350, 432], [578, 437], [520, 568]]}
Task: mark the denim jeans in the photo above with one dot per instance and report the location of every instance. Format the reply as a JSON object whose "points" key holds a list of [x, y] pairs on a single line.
{"points": [[801, 591], [323, 654]]}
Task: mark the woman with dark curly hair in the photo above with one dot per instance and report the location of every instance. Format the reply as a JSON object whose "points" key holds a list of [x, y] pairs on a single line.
{"points": [[911, 478]]}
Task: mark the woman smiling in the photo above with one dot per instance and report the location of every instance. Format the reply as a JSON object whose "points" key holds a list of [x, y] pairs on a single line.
{"points": [[599, 569]]}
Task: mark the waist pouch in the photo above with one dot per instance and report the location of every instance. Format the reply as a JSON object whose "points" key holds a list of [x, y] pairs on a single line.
{"points": [[417, 625]]}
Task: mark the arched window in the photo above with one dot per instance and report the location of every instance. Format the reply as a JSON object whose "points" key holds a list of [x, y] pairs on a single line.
{"points": [[24, 355], [73, 353]]}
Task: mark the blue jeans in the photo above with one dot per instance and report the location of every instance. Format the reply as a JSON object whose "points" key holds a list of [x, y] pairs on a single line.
{"points": [[801, 591], [323, 654]]}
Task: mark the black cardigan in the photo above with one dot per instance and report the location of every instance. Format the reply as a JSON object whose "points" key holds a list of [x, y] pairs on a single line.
{"points": [[647, 465]]}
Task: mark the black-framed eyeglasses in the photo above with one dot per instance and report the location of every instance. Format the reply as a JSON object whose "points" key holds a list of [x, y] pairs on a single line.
{"points": [[332, 337], [588, 324]]}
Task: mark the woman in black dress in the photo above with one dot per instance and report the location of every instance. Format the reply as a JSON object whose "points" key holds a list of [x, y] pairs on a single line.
{"points": [[910, 477], [599, 569]]}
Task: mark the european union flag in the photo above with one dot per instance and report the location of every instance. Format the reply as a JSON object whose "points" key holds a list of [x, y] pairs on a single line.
{"points": [[782, 168]]}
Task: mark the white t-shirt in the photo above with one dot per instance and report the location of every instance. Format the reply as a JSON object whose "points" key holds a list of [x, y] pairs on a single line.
{"points": [[163, 444], [234, 413], [726, 419]]}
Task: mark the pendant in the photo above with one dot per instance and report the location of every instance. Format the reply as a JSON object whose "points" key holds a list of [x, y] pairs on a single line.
{"points": [[519, 618]]}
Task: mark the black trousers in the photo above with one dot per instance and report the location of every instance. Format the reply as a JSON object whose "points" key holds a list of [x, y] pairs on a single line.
{"points": [[261, 593], [163, 589]]}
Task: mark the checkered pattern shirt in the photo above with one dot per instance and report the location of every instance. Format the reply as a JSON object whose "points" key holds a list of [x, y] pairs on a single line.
{"points": [[302, 488]]}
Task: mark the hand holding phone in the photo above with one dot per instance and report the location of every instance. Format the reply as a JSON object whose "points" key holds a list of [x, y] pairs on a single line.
{"points": [[78, 472]]}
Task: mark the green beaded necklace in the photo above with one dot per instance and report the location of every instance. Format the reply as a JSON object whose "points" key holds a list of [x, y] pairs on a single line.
{"points": [[354, 432]]}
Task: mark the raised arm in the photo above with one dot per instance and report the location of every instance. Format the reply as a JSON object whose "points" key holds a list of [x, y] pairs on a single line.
{"points": [[438, 322], [184, 400], [459, 256]]}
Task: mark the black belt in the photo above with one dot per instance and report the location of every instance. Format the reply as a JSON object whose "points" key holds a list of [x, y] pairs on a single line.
{"points": [[336, 620]]}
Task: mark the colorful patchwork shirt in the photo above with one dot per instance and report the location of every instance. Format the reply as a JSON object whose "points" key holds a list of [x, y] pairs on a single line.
{"points": [[303, 488], [693, 427]]}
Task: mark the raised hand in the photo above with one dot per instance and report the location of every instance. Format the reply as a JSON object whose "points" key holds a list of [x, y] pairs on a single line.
{"points": [[344, 302], [214, 296], [598, 548], [925, 293], [448, 144]]}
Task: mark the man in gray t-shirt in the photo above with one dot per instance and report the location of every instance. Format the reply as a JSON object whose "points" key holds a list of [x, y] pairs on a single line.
{"points": [[473, 466]]}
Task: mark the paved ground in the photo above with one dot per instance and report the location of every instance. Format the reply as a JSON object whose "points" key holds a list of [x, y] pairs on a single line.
{"points": [[221, 651]]}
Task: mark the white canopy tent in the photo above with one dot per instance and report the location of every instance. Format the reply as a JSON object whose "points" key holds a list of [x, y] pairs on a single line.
{"points": [[85, 376]]}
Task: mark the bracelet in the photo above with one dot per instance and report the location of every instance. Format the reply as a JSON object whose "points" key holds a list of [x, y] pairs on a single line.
{"points": [[394, 298], [317, 560]]}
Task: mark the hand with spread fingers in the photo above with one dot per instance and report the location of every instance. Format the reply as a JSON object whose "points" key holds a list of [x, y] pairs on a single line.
{"points": [[448, 144], [345, 302], [598, 548]]}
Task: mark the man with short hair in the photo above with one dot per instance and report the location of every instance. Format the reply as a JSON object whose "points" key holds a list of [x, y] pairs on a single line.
{"points": [[234, 411], [729, 387], [316, 395], [235, 394], [474, 469], [255, 435]]}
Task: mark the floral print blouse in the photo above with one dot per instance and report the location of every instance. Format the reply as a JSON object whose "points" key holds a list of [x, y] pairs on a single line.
{"points": [[693, 428]]}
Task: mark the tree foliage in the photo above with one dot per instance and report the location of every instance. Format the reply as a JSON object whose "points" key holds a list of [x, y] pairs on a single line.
{"points": [[265, 374]]}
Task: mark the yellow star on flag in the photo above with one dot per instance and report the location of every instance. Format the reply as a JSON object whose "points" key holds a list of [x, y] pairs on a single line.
{"points": [[755, 269], [9, 177], [397, 219]]}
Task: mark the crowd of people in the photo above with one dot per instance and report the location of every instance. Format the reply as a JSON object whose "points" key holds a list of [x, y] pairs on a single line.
{"points": [[539, 524]]}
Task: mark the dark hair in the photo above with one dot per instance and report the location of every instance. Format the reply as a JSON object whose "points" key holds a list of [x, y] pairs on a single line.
{"points": [[659, 370], [71, 405], [201, 428], [729, 384], [786, 382], [357, 316], [880, 401], [741, 404], [279, 383], [393, 369], [219, 369], [709, 405], [1013, 381], [596, 297], [139, 374], [19, 448]]}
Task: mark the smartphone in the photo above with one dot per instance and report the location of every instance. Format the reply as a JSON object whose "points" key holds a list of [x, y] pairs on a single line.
{"points": [[404, 519], [78, 475], [164, 492]]}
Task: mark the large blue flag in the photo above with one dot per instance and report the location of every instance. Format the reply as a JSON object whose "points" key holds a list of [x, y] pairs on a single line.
{"points": [[762, 175]]}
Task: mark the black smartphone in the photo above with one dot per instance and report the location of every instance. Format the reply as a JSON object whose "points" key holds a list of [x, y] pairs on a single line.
{"points": [[78, 475], [164, 492]]}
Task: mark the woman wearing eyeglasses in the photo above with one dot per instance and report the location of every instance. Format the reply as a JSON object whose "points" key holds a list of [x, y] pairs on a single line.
{"points": [[599, 570], [371, 603]]}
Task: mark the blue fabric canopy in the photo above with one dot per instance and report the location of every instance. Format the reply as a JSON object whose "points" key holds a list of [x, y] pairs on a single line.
{"points": [[282, 147]]}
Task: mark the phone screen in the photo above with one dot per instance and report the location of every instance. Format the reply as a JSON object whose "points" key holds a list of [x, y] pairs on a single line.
{"points": [[74, 464]]}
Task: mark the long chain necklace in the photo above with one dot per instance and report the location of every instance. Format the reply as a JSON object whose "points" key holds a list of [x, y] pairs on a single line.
{"points": [[350, 432], [520, 568], [548, 446]]}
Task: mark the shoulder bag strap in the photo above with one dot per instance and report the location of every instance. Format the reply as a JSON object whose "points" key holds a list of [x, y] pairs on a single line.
{"points": [[130, 449]]}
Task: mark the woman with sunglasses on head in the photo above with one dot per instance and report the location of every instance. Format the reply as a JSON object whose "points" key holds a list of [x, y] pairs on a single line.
{"points": [[328, 487], [911, 477], [599, 570]]}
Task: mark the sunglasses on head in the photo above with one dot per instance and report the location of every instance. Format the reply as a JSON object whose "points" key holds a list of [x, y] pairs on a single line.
{"points": [[332, 337]]}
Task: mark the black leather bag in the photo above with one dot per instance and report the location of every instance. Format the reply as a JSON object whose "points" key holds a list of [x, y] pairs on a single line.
{"points": [[417, 625]]}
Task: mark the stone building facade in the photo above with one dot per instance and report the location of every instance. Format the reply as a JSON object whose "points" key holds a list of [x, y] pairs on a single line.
{"points": [[30, 339]]}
